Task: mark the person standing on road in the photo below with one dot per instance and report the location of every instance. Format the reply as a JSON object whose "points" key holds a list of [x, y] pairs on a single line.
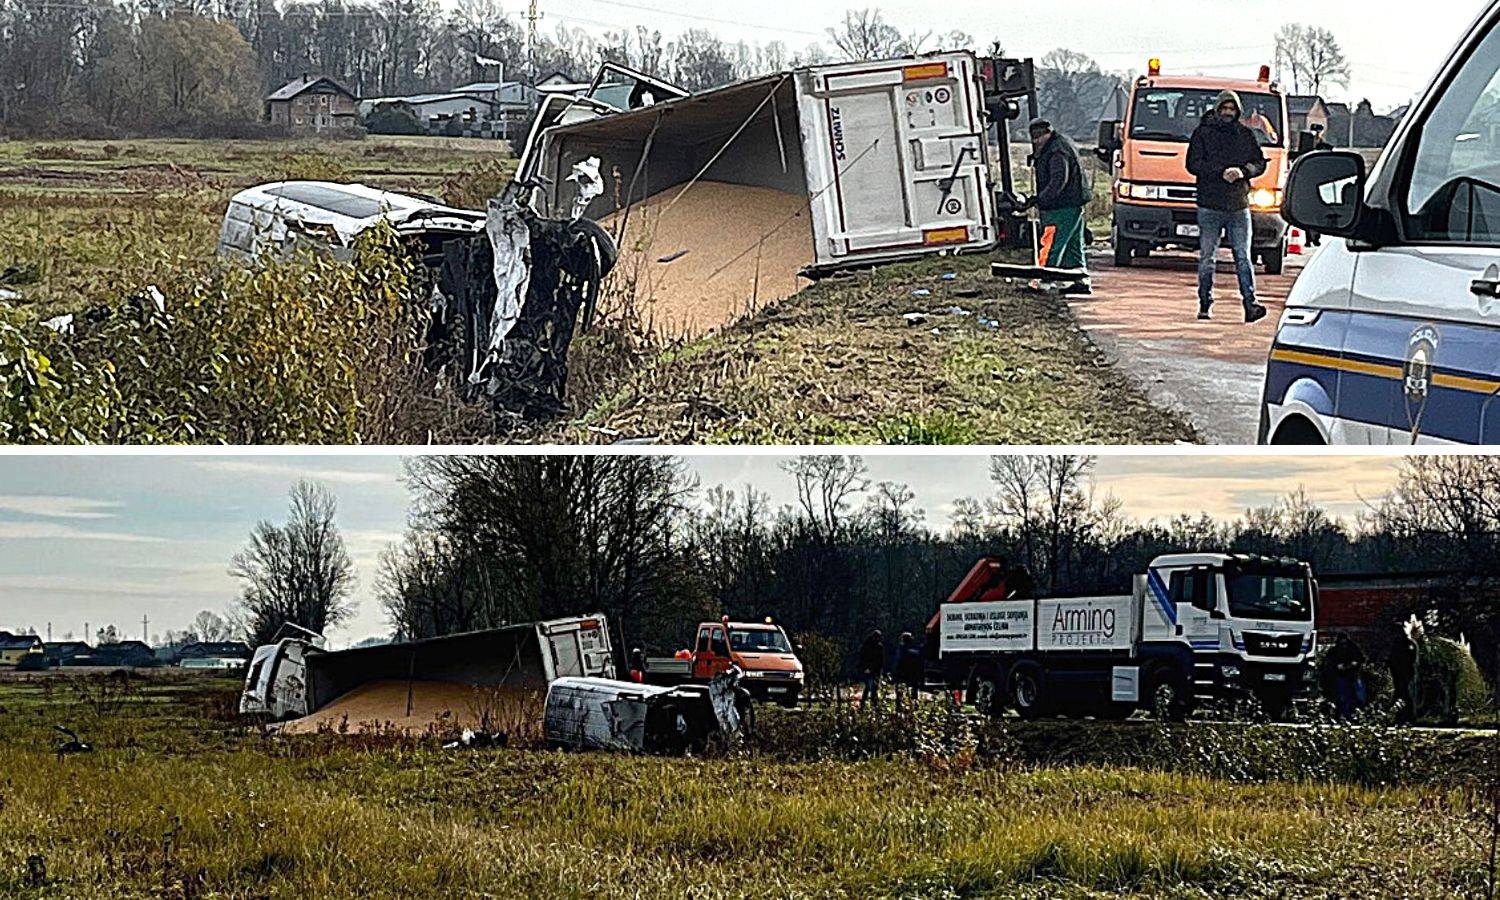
{"points": [[1225, 156], [871, 667], [1403, 664], [908, 671], [1061, 194]]}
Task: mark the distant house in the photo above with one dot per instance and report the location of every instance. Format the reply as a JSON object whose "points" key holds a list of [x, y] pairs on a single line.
{"points": [[14, 647], [60, 652], [504, 95], [312, 104], [124, 654], [434, 109], [1307, 112], [214, 654]]}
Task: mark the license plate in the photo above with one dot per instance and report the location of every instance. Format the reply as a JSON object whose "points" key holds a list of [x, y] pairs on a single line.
{"points": [[776, 690], [1187, 230], [1276, 676]]}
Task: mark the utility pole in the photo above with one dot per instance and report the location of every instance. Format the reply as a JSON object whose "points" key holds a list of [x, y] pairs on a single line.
{"points": [[85, 632], [531, 19], [145, 634], [49, 632]]}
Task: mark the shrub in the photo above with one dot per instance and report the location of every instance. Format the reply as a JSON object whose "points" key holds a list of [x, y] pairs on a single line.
{"points": [[310, 350], [393, 118], [932, 729], [473, 188]]}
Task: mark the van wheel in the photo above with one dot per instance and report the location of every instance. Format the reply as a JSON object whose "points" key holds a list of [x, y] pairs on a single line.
{"points": [[1026, 693], [1124, 251], [1274, 259], [1296, 430]]}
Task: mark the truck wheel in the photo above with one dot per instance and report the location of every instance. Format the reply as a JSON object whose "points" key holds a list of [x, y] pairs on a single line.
{"points": [[1167, 697], [1275, 259], [1026, 693]]}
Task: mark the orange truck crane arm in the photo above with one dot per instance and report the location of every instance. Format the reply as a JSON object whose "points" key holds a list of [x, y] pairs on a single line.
{"points": [[989, 580]]}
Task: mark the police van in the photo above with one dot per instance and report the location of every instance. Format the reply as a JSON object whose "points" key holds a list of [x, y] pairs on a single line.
{"points": [[1392, 332]]}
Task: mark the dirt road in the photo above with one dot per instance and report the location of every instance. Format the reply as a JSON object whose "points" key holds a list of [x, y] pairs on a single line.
{"points": [[1145, 318]]}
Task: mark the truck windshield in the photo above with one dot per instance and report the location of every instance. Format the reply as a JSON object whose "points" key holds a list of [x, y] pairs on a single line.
{"points": [[1171, 114], [1269, 595], [759, 640]]}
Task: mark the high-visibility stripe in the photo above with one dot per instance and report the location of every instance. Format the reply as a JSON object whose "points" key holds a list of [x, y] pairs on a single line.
{"points": [[1044, 252], [1382, 370], [925, 70]]}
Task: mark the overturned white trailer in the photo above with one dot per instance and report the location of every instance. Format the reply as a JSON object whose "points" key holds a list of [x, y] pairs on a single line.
{"points": [[295, 677], [888, 158]]}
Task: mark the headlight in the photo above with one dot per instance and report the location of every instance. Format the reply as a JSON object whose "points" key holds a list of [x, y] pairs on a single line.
{"points": [[1265, 198], [1230, 671], [797, 676], [1132, 191]]}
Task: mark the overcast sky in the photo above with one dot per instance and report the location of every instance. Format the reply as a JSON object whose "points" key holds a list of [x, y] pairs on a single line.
{"points": [[108, 539], [1392, 49]]}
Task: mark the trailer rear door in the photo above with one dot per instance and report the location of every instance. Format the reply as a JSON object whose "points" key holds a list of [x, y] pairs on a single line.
{"points": [[896, 159], [580, 647]]}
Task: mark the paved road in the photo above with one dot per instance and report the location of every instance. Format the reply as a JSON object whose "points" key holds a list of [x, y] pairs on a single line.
{"points": [[1145, 317]]}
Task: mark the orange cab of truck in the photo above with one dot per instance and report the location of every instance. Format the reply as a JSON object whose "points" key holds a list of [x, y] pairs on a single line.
{"points": [[760, 649], [1154, 196]]}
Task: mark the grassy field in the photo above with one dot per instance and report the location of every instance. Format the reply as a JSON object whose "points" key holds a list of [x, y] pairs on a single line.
{"points": [[93, 222], [179, 800]]}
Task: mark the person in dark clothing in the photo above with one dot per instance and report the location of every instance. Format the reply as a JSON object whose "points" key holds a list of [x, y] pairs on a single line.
{"points": [[1347, 661], [1062, 192], [908, 671], [1403, 662], [871, 667], [1225, 156]]}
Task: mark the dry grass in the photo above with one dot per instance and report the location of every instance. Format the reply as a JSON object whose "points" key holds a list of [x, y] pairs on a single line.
{"points": [[838, 363], [177, 801]]}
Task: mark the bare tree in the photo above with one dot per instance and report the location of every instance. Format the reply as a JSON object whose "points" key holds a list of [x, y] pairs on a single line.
{"points": [[825, 485], [210, 626], [1310, 57], [865, 34], [299, 572], [1043, 498]]}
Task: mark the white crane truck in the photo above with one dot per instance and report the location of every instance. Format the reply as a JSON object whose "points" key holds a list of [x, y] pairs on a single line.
{"points": [[1196, 626]]}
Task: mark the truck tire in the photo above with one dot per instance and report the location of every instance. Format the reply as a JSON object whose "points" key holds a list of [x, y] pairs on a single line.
{"points": [[1026, 693], [1275, 259], [1167, 696]]}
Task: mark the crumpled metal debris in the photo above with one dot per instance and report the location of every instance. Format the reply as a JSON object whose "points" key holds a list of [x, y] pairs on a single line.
{"points": [[517, 356], [586, 175], [604, 714]]}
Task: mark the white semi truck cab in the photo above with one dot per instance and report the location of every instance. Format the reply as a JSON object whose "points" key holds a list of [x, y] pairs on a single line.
{"points": [[1196, 626]]}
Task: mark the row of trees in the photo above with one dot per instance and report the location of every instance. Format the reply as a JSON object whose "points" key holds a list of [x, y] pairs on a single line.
{"points": [[499, 539]]}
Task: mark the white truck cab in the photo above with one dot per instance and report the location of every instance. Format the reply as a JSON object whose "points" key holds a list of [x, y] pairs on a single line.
{"points": [[1392, 333], [1196, 626]]}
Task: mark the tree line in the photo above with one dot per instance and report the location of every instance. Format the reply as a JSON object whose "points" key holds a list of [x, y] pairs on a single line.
{"points": [[500, 539], [106, 67]]}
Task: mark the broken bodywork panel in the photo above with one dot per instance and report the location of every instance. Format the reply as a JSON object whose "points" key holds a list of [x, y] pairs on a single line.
{"points": [[507, 286], [604, 714]]}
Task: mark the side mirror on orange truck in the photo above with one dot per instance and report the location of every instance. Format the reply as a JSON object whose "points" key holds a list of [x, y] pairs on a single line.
{"points": [[1109, 140]]}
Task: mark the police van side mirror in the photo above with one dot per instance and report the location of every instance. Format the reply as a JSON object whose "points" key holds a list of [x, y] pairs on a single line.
{"points": [[1325, 192]]}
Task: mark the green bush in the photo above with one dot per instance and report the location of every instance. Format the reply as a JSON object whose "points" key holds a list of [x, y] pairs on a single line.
{"points": [[310, 350], [929, 728], [393, 118], [1451, 686]]}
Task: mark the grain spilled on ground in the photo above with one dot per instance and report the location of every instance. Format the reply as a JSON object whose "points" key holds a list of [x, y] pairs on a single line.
{"points": [[387, 705], [731, 249]]}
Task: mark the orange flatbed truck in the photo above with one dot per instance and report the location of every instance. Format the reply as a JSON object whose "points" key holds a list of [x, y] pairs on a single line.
{"points": [[761, 650], [1155, 196]]}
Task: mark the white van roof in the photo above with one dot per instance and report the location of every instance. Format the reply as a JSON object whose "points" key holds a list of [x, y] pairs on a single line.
{"points": [[351, 208]]}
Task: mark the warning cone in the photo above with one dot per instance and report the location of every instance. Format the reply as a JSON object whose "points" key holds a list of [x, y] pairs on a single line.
{"points": [[1295, 241]]}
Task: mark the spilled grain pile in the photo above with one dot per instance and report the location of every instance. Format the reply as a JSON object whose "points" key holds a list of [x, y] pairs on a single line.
{"points": [[418, 707], [702, 259]]}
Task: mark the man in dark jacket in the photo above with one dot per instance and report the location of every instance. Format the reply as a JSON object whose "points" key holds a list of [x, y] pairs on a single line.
{"points": [[1403, 665], [871, 667], [1061, 194], [1225, 157]]}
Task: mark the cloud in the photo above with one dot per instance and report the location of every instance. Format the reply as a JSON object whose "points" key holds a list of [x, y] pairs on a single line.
{"points": [[55, 531], [55, 506], [294, 470]]}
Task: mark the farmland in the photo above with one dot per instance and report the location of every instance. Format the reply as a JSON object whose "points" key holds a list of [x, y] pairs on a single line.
{"points": [[178, 799], [91, 223]]}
